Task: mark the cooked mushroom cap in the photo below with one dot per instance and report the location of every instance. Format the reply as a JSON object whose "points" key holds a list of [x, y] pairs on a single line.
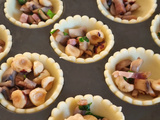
{"points": [[84, 45], [95, 36], [18, 98], [47, 83], [37, 96], [21, 64], [72, 51], [37, 67], [123, 65]]}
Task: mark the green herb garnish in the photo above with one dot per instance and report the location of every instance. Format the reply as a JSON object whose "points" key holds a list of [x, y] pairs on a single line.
{"points": [[53, 31], [24, 76], [125, 78], [130, 71], [98, 117], [85, 107], [130, 80], [158, 33], [82, 39], [21, 2], [50, 13], [65, 33]]}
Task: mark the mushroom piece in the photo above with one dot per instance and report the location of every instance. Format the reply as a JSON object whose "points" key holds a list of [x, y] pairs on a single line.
{"points": [[21, 64], [89, 52], [26, 91], [19, 99], [95, 36], [113, 9], [45, 9], [45, 3], [134, 7], [7, 83], [37, 96], [60, 37], [123, 85], [135, 65], [123, 65], [84, 45], [6, 93], [42, 15], [77, 32], [41, 76], [135, 93], [89, 117], [19, 77], [47, 83], [37, 68], [32, 5], [100, 47], [9, 74], [72, 51], [27, 84], [120, 8], [72, 42], [155, 84], [25, 9]]}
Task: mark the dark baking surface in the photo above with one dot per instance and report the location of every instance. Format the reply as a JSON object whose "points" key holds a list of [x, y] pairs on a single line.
{"points": [[82, 78]]}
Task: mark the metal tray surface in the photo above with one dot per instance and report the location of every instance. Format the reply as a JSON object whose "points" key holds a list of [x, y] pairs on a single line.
{"points": [[81, 79]]}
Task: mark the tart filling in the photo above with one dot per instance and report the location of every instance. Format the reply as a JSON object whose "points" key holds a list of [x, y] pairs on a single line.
{"points": [[141, 14], [29, 82], [123, 82], [31, 14], [95, 106], [91, 26], [5, 41]]}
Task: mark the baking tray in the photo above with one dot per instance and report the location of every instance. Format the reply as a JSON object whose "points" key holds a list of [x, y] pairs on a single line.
{"points": [[82, 78]]}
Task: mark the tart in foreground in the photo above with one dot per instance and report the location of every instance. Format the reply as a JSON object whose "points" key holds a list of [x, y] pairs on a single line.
{"points": [[29, 82], [81, 39], [132, 75], [96, 106], [5, 41], [34, 13], [127, 11]]}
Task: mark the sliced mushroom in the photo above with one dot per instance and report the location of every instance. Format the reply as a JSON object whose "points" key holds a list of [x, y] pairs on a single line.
{"points": [[21, 64], [45, 9], [47, 83], [37, 96], [72, 51], [134, 7], [135, 65], [19, 77], [18, 98], [135, 93], [128, 7], [77, 32], [123, 85], [32, 5], [45, 3], [7, 83], [84, 45], [42, 75], [100, 47], [60, 37], [27, 84], [120, 8], [155, 84], [123, 65], [37, 68], [113, 9], [89, 117], [26, 91], [89, 52], [95, 36], [25, 9], [6, 93], [42, 15]]}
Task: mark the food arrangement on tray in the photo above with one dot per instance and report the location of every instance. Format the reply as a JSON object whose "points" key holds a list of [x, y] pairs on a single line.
{"points": [[31, 82]]}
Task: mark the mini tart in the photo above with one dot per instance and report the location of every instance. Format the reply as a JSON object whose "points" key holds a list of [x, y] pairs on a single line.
{"points": [[90, 24], [151, 63], [7, 38], [155, 27], [99, 106], [13, 13], [54, 70], [146, 9]]}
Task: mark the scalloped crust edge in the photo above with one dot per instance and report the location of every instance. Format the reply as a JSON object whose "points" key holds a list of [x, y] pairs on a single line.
{"points": [[96, 57], [40, 24], [154, 26], [8, 41], [100, 106], [116, 19], [47, 62], [108, 79]]}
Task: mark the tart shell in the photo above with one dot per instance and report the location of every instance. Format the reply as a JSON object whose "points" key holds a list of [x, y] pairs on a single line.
{"points": [[54, 70], [99, 106], [151, 63], [90, 24]]}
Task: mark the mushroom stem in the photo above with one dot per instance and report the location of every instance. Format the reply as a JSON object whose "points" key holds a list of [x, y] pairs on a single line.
{"points": [[7, 83]]}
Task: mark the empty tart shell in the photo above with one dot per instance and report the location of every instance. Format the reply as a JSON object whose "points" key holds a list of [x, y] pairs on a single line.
{"points": [[52, 67], [146, 9], [155, 27], [151, 64], [13, 13], [7, 38], [90, 24], [99, 106]]}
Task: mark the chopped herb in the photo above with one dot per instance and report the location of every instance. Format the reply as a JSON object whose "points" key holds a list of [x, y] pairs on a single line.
{"points": [[65, 33], [89, 113], [85, 107], [82, 39], [24, 76], [158, 33], [130, 80], [125, 78], [53, 31], [50, 13], [130, 71], [21, 2]]}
